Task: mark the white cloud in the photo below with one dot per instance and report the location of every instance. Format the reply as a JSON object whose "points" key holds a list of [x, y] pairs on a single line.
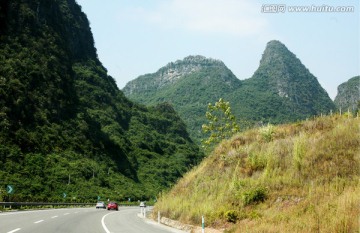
{"points": [[234, 17]]}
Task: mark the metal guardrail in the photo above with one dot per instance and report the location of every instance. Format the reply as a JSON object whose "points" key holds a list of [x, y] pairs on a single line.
{"points": [[39, 204]]}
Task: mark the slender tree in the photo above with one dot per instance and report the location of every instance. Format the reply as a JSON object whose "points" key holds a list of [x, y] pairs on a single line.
{"points": [[222, 123]]}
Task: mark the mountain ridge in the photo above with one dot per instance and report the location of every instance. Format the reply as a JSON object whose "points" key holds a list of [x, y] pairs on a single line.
{"points": [[281, 90], [171, 72]]}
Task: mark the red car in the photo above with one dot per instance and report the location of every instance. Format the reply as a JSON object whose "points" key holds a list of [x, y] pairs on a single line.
{"points": [[112, 206]]}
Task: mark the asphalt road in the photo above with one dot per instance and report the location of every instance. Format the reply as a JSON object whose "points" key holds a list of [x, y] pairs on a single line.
{"points": [[79, 220]]}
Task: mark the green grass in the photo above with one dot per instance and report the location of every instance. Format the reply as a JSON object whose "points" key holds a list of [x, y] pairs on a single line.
{"points": [[302, 178]]}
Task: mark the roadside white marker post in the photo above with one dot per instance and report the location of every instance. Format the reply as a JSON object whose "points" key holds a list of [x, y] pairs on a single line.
{"points": [[202, 224], [144, 212]]}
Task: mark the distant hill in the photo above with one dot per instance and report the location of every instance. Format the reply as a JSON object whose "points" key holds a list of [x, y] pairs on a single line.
{"points": [[281, 90], [300, 177], [65, 127], [348, 96]]}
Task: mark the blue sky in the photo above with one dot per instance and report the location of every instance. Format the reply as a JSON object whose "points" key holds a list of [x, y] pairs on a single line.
{"points": [[135, 37]]}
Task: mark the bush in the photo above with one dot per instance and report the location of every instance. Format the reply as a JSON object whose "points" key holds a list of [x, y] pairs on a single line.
{"points": [[231, 216], [267, 132], [254, 195]]}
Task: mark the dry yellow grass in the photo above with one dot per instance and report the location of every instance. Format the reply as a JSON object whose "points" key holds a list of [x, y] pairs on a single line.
{"points": [[301, 177]]}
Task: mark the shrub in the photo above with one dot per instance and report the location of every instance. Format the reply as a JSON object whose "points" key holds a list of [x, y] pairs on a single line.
{"points": [[254, 195], [231, 216], [267, 132]]}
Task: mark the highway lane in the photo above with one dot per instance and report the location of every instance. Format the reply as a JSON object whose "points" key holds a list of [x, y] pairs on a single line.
{"points": [[79, 220]]}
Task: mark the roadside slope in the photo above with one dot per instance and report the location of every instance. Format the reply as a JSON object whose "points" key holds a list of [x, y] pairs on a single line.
{"points": [[301, 177]]}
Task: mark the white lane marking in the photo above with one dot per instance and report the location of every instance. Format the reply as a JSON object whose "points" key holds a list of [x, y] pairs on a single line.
{"points": [[34, 211], [66, 213], [17, 229], [103, 222], [54, 216], [39, 221]]}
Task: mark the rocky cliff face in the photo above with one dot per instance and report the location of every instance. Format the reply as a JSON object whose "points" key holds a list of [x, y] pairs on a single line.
{"points": [[348, 97], [170, 74]]}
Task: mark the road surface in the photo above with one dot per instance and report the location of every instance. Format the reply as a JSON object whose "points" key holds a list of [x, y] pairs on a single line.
{"points": [[79, 220]]}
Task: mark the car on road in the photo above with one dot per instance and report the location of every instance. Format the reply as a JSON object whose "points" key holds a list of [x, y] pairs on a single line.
{"points": [[100, 205], [142, 204], [112, 206]]}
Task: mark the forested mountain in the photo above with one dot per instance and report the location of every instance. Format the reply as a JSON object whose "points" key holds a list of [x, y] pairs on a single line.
{"points": [[65, 127], [348, 96], [281, 90], [189, 85]]}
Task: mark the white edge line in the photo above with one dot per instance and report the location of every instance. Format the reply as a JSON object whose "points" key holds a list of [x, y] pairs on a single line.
{"points": [[54, 216], [39, 221], [103, 222], [17, 229]]}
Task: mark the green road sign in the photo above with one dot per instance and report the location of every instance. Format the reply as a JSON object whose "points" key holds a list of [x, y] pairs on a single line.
{"points": [[9, 189], [64, 195], [98, 198]]}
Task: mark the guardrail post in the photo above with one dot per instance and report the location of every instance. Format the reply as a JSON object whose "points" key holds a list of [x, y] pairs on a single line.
{"points": [[142, 211]]}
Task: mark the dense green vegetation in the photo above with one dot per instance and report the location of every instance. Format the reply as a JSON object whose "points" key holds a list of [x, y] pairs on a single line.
{"points": [[300, 177], [64, 125], [281, 90]]}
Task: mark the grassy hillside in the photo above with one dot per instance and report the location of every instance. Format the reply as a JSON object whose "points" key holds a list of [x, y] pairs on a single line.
{"points": [[301, 177]]}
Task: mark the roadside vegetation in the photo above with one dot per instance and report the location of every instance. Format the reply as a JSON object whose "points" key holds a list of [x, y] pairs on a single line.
{"points": [[301, 177]]}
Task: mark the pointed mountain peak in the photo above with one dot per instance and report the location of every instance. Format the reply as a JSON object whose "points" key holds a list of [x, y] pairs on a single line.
{"points": [[275, 51], [283, 74], [275, 43]]}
